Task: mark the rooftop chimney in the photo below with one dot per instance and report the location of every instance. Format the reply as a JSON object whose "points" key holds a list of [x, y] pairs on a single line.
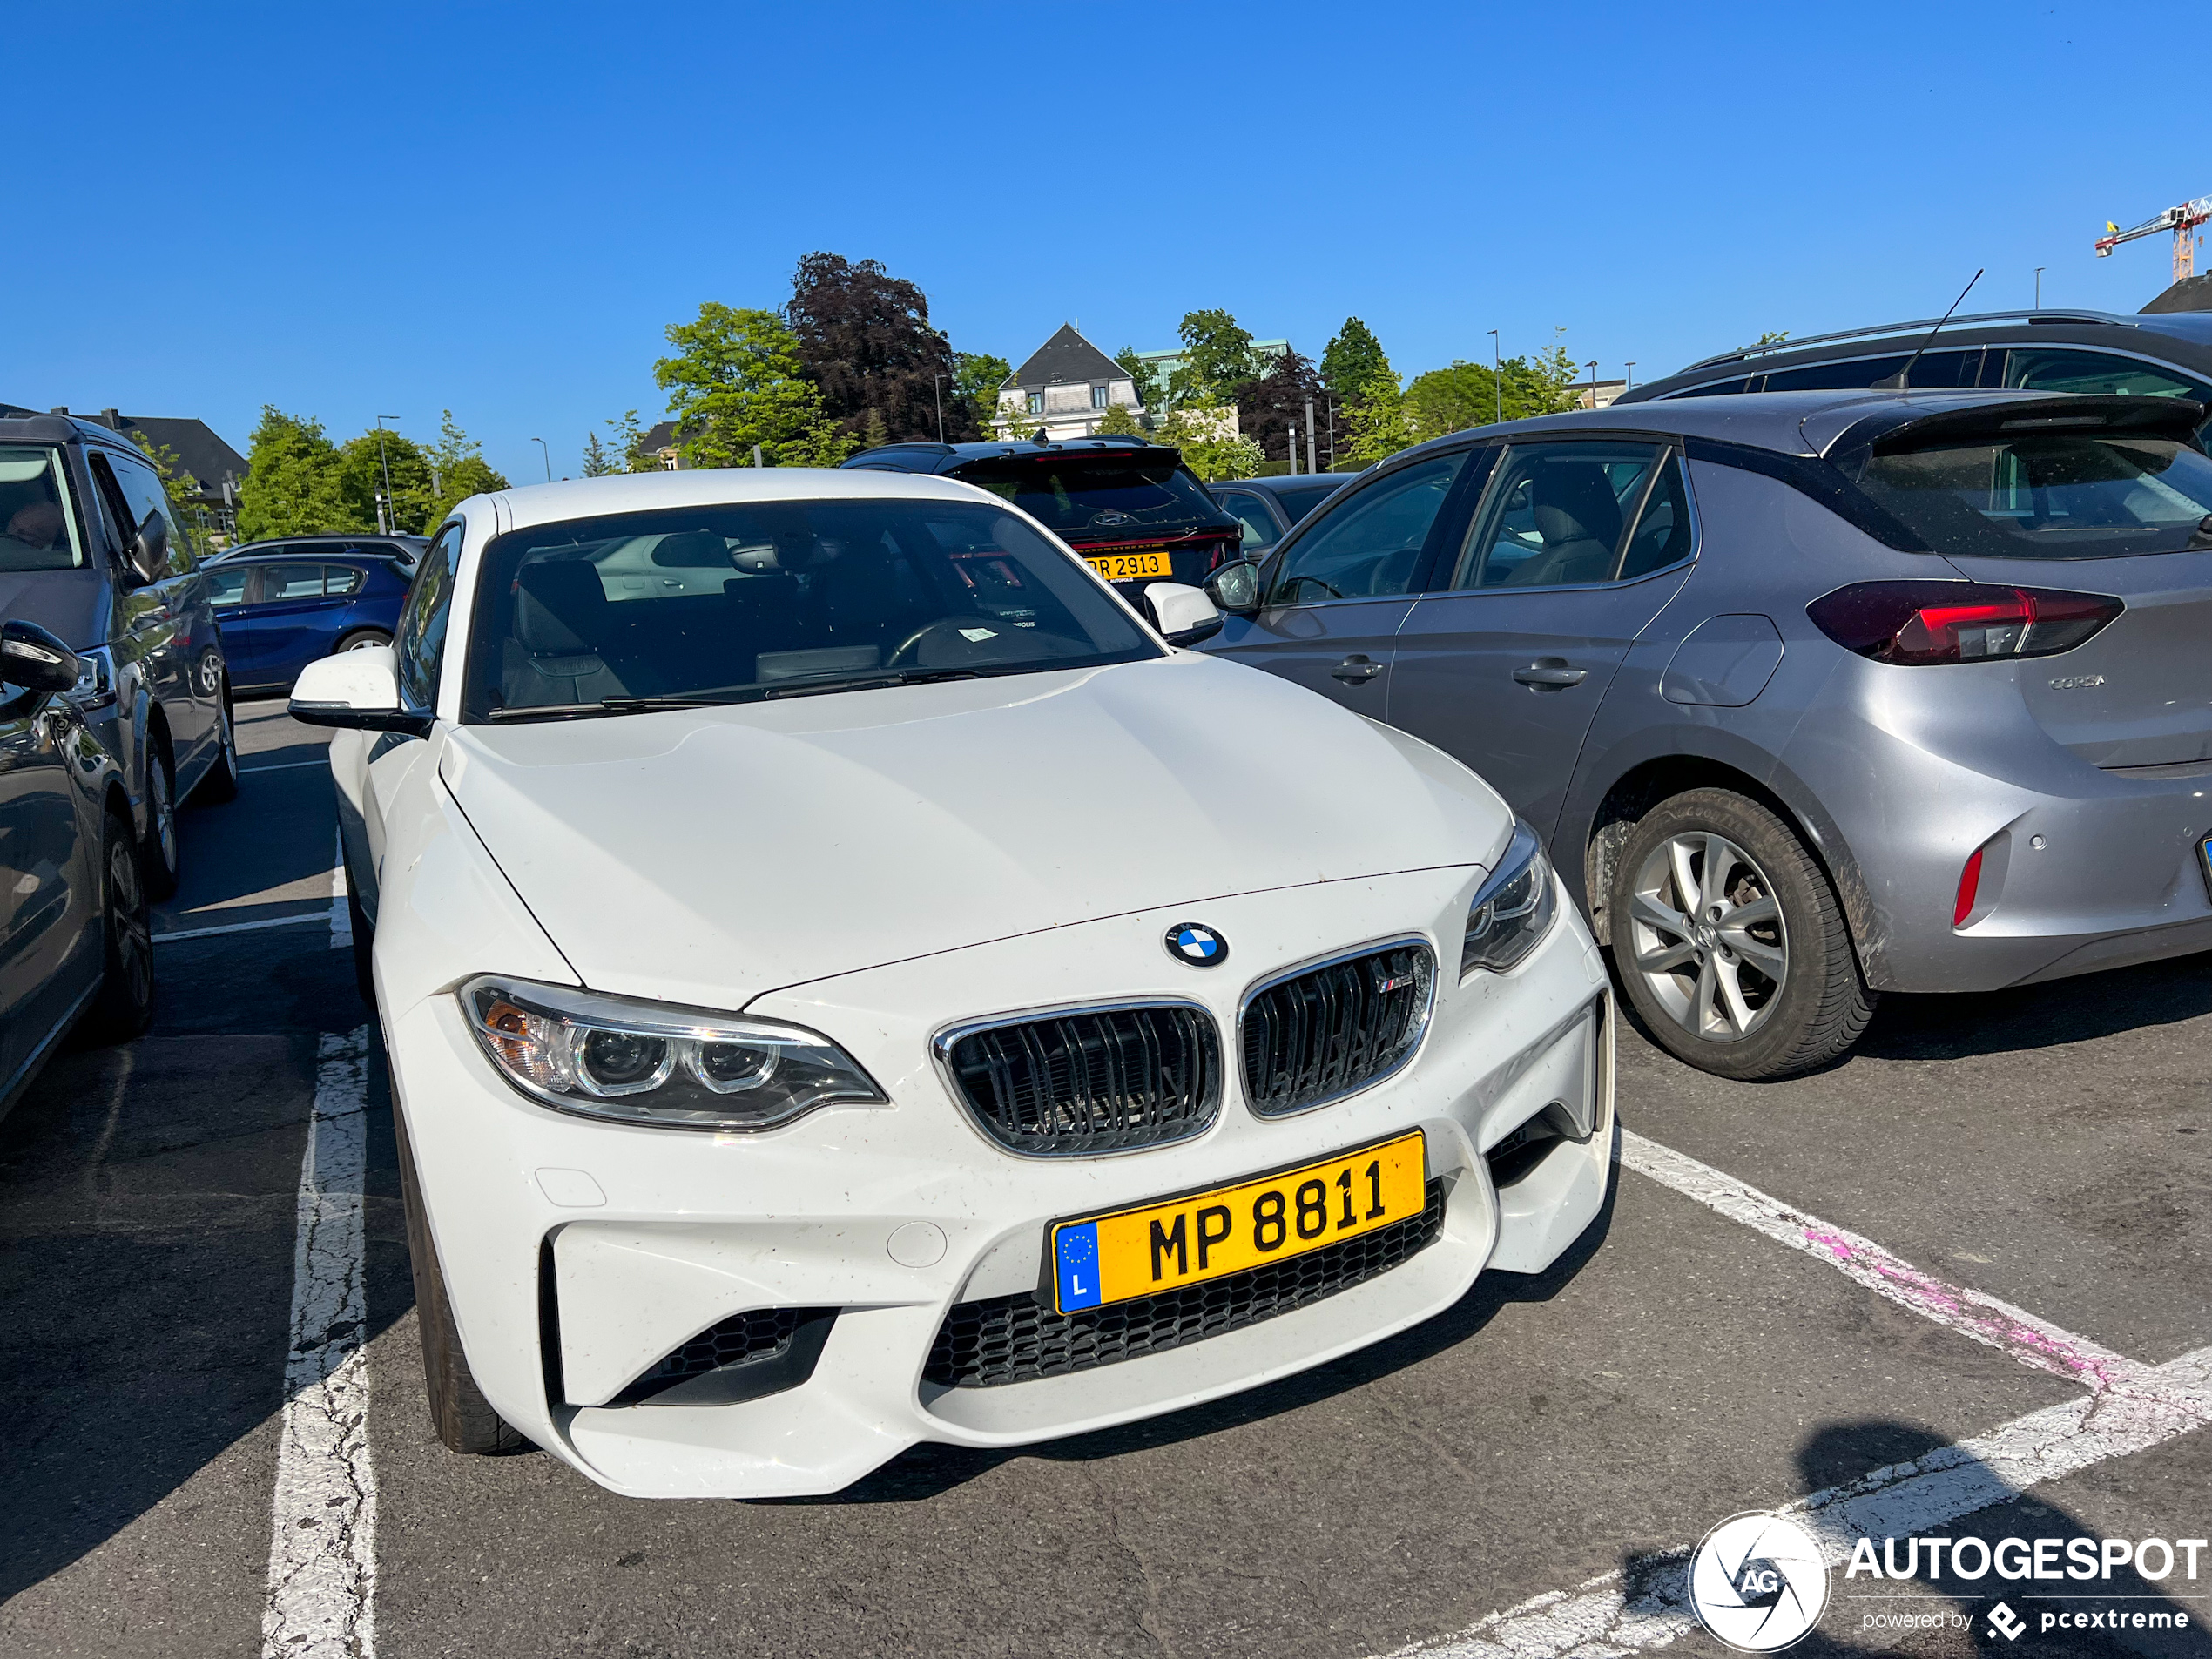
{"points": [[109, 419]]}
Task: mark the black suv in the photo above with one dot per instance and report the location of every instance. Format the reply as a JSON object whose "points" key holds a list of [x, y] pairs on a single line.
{"points": [[2147, 355], [91, 551], [1131, 510]]}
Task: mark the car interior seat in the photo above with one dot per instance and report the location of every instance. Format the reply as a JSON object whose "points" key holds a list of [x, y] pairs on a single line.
{"points": [[1580, 520], [562, 626]]}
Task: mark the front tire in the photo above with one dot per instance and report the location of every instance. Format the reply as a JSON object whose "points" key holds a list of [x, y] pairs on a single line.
{"points": [[463, 1418], [361, 639], [123, 1008], [161, 858], [221, 782], [1730, 942]]}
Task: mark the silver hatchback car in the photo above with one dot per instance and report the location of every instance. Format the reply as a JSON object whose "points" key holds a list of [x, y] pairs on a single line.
{"points": [[1811, 696]]}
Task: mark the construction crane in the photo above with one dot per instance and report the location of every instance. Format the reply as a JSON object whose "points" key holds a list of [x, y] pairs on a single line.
{"points": [[2180, 220]]}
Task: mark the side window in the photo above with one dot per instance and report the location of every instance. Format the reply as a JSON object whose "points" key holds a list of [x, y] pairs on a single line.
{"points": [[341, 578], [293, 581], [2096, 371], [143, 494], [1853, 374], [1260, 524], [1370, 544], [1559, 515], [226, 587], [1715, 388], [422, 641], [1663, 532]]}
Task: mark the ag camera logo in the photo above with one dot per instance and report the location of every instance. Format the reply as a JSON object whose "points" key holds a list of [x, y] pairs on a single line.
{"points": [[1758, 1583]]}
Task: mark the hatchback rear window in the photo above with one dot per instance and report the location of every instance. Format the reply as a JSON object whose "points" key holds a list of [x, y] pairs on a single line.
{"points": [[1068, 491], [2050, 495]]}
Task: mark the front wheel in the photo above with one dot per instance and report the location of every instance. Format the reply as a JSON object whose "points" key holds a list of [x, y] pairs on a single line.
{"points": [[124, 1005], [463, 1418], [363, 638], [1730, 942], [222, 781], [161, 857]]}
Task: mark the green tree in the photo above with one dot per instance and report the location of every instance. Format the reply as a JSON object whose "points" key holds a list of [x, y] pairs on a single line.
{"points": [[737, 380], [1119, 422], [1144, 377], [1379, 422], [362, 463], [873, 433], [598, 461], [293, 485], [1206, 433], [977, 376], [1217, 358], [821, 443], [625, 448], [1352, 359], [460, 471], [180, 486]]}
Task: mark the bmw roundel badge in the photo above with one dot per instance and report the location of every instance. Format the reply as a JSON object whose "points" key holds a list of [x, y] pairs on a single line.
{"points": [[1198, 944]]}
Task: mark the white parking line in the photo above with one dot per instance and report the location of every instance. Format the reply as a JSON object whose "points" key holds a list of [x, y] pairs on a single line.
{"points": [[323, 1545], [2127, 1408], [341, 914], [283, 766], [1648, 1606], [239, 927]]}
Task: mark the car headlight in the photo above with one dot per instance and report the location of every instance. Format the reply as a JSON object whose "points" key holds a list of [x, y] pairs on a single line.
{"points": [[95, 687], [1513, 909], [646, 1062]]}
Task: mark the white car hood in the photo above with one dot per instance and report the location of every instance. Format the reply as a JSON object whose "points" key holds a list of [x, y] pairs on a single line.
{"points": [[707, 857]]}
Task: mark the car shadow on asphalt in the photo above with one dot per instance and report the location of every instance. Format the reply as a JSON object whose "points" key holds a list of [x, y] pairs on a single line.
{"points": [[1957, 1025], [1925, 1611], [928, 1470]]}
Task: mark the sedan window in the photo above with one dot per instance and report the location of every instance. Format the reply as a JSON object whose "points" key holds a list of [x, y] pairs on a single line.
{"points": [[740, 603], [1258, 522]]}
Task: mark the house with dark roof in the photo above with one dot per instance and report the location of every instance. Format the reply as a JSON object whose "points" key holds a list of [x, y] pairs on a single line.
{"points": [[1066, 387], [211, 461]]}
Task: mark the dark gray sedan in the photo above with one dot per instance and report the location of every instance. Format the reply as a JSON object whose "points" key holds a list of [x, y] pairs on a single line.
{"points": [[1271, 508], [1810, 695]]}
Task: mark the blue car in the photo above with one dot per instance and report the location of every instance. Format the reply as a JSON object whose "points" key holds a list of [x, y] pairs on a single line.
{"points": [[282, 604]]}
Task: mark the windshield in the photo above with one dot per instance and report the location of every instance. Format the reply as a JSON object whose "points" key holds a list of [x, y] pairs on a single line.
{"points": [[2050, 495], [1068, 491], [37, 531], [737, 603], [1298, 500]]}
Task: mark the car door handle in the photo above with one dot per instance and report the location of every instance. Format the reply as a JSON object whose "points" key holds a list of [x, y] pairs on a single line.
{"points": [[1355, 669], [1551, 670]]}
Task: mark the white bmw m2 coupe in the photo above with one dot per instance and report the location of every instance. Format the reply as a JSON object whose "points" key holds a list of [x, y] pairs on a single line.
{"points": [[850, 980]]}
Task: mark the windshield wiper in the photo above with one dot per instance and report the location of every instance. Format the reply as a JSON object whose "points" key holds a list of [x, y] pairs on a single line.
{"points": [[869, 682], [612, 705]]}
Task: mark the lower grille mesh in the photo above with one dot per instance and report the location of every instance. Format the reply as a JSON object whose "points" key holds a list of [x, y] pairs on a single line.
{"points": [[753, 1338], [1017, 1338]]}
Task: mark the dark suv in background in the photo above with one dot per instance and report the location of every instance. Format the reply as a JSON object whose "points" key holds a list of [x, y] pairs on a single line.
{"points": [[2149, 355], [1131, 509], [91, 551]]}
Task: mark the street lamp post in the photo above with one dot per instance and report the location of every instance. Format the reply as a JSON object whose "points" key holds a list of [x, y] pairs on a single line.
{"points": [[548, 453], [387, 511], [2039, 287], [1497, 376], [1592, 366], [1631, 381], [937, 396], [1310, 456]]}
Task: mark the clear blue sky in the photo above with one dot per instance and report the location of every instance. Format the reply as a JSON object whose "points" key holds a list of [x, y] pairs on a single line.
{"points": [[348, 211]]}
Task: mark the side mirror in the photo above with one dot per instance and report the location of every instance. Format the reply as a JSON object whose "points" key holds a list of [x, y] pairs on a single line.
{"points": [[150, 547], [1235, 587], [1183, 615], [357, 690], [32, 658]]}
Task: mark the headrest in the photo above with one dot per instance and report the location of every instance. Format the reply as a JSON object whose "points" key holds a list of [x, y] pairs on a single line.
{"points": [[1574, 502], [560, 606]]}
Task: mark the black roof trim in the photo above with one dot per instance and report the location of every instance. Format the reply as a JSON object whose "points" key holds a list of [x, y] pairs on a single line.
{"points": [[944, 457], [1747, 353]]}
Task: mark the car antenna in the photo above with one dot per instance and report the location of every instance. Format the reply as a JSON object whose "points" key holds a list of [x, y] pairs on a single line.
{"points": [[1897, 381]]}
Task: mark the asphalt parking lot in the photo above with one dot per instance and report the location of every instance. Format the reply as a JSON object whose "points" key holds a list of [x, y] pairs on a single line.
{"points": [[1989, 1228]]}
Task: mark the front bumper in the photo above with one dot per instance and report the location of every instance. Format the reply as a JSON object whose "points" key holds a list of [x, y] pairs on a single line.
{"points": [[578, 1254]]}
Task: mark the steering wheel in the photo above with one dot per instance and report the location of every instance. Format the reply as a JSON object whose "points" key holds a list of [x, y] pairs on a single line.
{"points": [[1297, 585]]}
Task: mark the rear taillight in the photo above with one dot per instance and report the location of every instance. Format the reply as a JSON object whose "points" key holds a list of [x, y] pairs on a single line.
{"points": [[1958, 622]]}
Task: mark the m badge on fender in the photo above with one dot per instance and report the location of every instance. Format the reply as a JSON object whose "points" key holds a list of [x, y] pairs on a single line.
{"points": [[1198, 944]]}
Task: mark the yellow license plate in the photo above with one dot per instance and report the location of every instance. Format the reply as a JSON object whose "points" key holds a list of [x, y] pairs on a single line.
{"points": [[1130, 566], [1164, 1246]]}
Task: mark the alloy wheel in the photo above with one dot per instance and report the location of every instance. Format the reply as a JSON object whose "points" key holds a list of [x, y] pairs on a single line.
{"points": [[1708, 936], [127, 922], [162, 807]]}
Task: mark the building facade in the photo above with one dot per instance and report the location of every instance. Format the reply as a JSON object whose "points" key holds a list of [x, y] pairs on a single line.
{"points": [[1064, 389]]}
